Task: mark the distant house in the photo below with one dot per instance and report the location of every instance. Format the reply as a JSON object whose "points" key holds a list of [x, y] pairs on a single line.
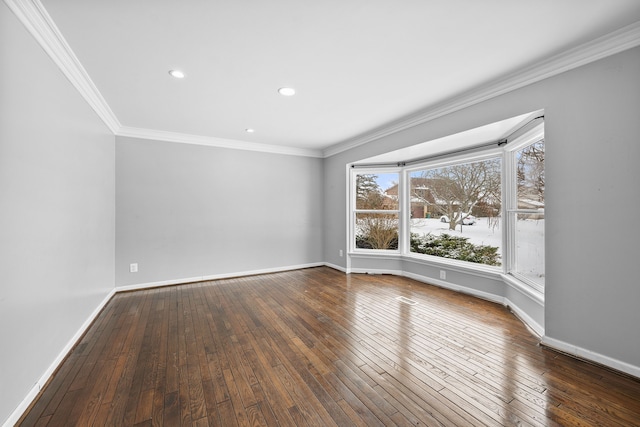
{"points": [[530, 199], [423, 203]]}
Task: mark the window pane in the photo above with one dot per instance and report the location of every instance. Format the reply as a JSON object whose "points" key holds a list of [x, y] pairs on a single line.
{"points": [[530, 176], [528, 262], [376, 231], [455, 211], [530, 247], [377, 191]]}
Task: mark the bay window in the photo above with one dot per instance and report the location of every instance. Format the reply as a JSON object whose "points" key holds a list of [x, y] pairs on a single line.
{"points": [[484, 209]]}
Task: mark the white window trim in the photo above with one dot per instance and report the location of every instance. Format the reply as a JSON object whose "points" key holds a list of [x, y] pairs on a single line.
{"points": [[509, 199], [353, 211], [511, 202], [486, 154]]}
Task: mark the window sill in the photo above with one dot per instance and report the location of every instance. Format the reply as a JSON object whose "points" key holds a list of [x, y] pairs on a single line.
{"points": [[522, 287], [372, 253]]}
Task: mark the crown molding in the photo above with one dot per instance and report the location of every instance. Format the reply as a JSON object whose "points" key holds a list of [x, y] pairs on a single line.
{"points": [[35, 18], [33, 15], [618, 41], [37, 21], [159, 135]]}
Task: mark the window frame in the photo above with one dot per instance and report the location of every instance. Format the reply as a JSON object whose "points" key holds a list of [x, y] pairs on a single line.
{"points": [[476, 156], [511, 209], [353, 210], [508, 168]]}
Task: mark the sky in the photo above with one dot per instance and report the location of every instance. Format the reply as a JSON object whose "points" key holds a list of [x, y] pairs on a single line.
{"points": [[386, 180]]}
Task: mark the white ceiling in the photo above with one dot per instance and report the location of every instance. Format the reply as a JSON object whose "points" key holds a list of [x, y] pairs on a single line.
{"points": [[469, 139], [357, 65]]}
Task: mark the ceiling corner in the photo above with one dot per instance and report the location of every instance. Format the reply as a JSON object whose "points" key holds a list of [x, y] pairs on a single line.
{"points": [[37, 21]]}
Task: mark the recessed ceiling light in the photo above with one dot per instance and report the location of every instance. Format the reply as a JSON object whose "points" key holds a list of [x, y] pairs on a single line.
{"points": [[249, 130], [287, 91], [177, 74]]}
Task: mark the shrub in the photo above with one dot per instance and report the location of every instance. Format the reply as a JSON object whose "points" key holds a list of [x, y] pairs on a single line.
{"points": [[377, 231], [364, 242], [454, 247]]}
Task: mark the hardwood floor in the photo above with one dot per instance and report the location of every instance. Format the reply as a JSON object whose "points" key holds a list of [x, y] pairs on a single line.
{"points": [[317, 347]]}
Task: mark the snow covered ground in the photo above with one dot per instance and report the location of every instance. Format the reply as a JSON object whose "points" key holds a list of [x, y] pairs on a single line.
{"points": [[529, 244], [484, 232]]}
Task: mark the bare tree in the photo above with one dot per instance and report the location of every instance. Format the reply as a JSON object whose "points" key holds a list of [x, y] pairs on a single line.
{"points": [[530, 172], [455, 190]]}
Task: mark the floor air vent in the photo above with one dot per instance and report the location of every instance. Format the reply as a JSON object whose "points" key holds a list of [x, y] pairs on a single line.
{"points": [[406, 300]]}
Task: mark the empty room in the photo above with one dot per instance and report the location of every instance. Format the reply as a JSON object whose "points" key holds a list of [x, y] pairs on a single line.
{"points": [[333, 213]]}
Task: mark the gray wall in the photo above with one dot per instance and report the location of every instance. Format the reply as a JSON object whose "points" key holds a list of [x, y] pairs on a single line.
{"points": [[185, 211], [57, 217], [189, 211], [592, 130]]}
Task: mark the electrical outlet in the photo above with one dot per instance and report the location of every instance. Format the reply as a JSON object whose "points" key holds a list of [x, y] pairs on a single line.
{"points": [[340, 252], [443, 275], [133, 268]]}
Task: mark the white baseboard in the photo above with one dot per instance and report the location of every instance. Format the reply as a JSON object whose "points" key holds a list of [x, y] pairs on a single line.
{"points": [[33, 393], [42, 381], [432, 281], [583, 353], [525, 318], [23, 406], [547, 341], [172, 282], [521, 314], [452, 286], [148, 285], [335, 267], [375, 271]]}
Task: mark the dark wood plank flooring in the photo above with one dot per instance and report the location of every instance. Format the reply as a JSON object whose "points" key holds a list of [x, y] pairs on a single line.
{"points": [[317, 347]]}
